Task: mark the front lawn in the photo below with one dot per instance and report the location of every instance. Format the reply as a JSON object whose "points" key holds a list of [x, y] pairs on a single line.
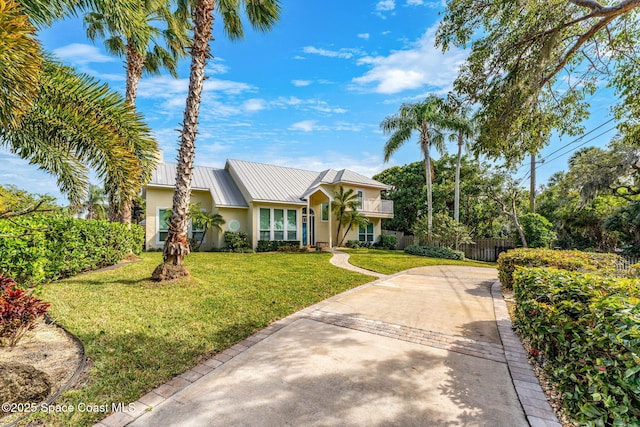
{"points": [[139, 334], [390, 262]]}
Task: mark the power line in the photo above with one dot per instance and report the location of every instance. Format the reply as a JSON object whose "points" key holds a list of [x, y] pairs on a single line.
{"points": [[578, 138], [584, 143]]}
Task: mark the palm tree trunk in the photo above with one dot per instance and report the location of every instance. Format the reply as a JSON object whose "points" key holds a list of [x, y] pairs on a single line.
{"points": [[135, 63], [456, 201], [424, 144], [176, 246]]}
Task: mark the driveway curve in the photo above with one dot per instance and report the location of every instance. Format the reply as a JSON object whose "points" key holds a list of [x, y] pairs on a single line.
{"points": [[430, 346]]}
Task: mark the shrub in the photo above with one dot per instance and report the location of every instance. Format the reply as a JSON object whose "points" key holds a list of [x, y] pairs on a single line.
{"points": [[18, 311], [237, 241], [586, 329], [38, 249], [386, 241], [353, 244], [565, 260], [433, 252], [275, 245], [537, 230]]}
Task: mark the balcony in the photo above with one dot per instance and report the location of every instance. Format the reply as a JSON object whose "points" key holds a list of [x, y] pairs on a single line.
{"points": [[377, 207]]}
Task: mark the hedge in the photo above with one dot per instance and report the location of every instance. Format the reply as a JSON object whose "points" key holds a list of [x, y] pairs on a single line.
{"points": [[434, 252], [277, 245], [36, 249], [565, 260], [585, 328]]}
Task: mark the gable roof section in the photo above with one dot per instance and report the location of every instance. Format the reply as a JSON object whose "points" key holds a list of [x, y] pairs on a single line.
{"points": [[223, 189], [272, 183]]}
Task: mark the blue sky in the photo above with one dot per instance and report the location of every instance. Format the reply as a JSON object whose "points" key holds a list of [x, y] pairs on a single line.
{"points": [[309, 94]]}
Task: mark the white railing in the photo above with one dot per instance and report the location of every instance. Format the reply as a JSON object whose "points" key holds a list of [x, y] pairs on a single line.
{"points": [[377, 206]]}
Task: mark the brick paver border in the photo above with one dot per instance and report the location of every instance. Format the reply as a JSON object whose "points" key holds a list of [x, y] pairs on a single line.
{"points": [[532, 398]]}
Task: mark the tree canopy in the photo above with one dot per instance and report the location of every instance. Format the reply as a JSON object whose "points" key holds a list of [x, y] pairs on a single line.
{"points": [[532, 64]]}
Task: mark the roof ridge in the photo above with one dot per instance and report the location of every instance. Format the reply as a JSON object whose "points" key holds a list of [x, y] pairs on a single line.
{"points": [[272, 165]]}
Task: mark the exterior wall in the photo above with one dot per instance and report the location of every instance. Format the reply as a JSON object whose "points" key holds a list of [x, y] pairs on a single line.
{"points": [[242, 215], [377, 231], [162, 198]]}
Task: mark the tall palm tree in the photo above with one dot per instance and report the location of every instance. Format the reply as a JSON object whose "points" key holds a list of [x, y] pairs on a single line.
{"points": [[343, 203], [262, 15], [430, 120], [151, 37], [464, 130]]}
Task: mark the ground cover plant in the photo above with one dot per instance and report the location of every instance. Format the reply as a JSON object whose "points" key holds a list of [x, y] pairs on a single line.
{"points": [[390, 262], [585, 331], [19, 311], [139, 333]]}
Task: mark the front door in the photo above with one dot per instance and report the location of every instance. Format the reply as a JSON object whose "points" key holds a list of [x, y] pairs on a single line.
{"points": [[308, 227]]}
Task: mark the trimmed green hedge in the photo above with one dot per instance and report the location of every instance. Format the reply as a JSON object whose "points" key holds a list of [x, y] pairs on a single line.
{"points": [[433, 252], [275, 245], [586, 330], [565, 260], [36, 249]]}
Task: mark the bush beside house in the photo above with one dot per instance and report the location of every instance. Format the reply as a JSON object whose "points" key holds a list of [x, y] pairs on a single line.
{"points": [[40, 249]]}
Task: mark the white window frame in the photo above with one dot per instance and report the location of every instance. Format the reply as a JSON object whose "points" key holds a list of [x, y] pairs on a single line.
{"points": [[372, 234], [285, 231], [360, 199], [328, 211]]}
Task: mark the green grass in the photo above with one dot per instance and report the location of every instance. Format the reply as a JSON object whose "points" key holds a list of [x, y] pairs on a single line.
{"points": [[390, 262], [139, 334]]}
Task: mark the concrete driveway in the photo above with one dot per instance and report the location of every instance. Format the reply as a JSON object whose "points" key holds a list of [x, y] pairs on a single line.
{"points": [[420, 348]]}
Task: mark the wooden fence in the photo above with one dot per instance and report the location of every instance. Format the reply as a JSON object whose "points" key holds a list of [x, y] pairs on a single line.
{"points": [[481, 250]]}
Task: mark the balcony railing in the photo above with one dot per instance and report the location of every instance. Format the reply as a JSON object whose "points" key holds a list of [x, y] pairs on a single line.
{"points": [[377, 206]]}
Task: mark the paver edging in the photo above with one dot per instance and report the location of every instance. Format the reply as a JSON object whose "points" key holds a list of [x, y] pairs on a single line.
{"points": [[532, 399]]}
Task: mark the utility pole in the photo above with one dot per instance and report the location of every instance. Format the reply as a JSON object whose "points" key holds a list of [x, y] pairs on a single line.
{"points": [[532, 188]]}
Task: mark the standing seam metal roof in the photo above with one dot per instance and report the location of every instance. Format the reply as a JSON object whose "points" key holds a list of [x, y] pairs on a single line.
{"points": [[223, 189]]}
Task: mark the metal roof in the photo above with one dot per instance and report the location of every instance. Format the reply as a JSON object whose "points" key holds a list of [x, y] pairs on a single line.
{"points": [[223, 189], [262, 182]]}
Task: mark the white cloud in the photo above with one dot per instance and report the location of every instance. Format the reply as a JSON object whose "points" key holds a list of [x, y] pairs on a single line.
{"points": [[430, 4], [364, 163], [385, 5], [421, 65], [364, 36], [168, 87], [344, 53], [307, 126], [300, 83], [254, 104], [82, 54]]}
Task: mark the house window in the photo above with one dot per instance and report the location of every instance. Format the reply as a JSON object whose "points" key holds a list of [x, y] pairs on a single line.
{"points": [[278, 224], [360, 196], [325, 211], [365, 234], [164, 219], [265, 224], [292, 225]]}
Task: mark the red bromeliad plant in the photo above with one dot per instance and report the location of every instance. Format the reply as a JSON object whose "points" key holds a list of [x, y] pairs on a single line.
{"points": [[18, 311]]}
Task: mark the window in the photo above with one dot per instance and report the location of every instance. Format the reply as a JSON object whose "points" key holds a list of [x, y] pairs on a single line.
{"points": [[325, 211], [278, 224], [360, 195], [365, 234], [265, 224], [164, 219], [292, 225]]}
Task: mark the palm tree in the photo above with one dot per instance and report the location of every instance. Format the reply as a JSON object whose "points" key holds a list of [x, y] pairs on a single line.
{"points": [[262, 14], [95, 203], [343, 202], [147, 47], [429, 119], [203, 221], [353, 219], [463, 127], [62, 121], [78, 123]]}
